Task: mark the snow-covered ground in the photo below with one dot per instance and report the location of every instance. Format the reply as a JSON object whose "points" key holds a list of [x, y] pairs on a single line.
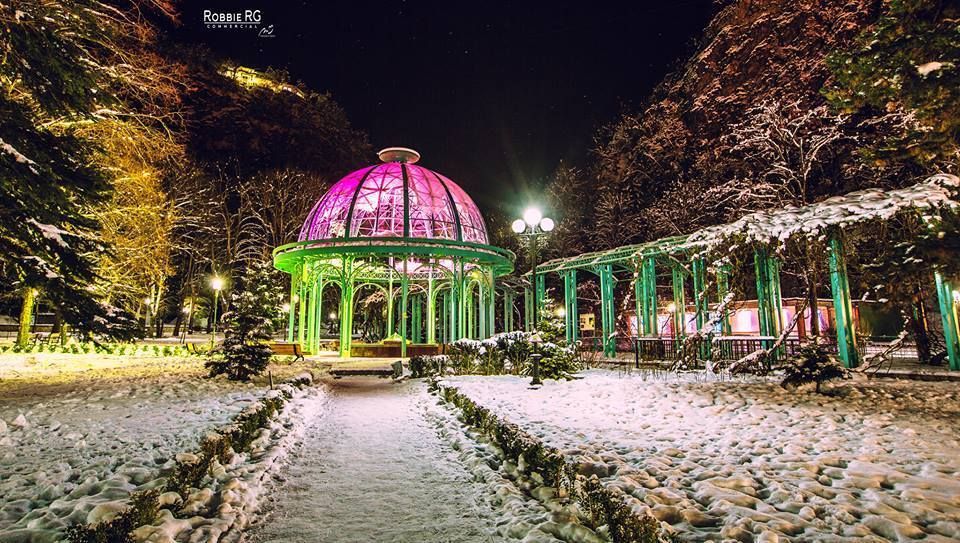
{"points": [[78, 430], [385, 462], [750, 461]]}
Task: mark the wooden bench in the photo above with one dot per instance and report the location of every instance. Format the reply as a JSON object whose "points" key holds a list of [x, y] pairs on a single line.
{"points": [[287, 349]]}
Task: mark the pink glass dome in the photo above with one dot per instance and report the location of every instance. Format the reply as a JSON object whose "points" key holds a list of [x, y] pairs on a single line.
{"points": [[395, 199]]}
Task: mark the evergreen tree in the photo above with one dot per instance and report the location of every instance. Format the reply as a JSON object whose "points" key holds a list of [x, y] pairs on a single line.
{"points": [[904, 76], [46, 176], [248, 326]]}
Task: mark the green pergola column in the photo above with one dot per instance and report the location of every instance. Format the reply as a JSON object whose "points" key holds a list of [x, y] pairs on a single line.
{"points": [[390, 326], [302, 313], [507, 311], [528, 309], [491, 305], [404, 299], [541, 297], [431, 312], [607, 316], [648, 296], [445, 315], [416, 312], [769, 305], [317, 315], [292, 314], [679, 302], [471, 306], [346, 307], [723, 288], [842, 306], [699, 268], [312, 314], [948, 316], [572, 318]]}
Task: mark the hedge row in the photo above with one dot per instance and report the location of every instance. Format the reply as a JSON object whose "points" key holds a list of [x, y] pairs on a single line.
{"points": [[604, 506], [189, 473]]}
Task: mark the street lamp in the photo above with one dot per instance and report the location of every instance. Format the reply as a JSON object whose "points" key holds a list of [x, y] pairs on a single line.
{"points": [[216, 283], [533, 226]]}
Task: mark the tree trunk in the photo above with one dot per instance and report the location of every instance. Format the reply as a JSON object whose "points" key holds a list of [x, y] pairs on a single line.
{"points": [[919, 327], [60, 327], [26, 315]]}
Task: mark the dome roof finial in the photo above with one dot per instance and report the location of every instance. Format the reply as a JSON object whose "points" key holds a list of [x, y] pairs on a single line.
{"points": [[399, 154]]}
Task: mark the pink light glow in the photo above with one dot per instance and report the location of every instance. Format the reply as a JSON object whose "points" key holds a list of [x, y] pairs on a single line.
{"points": [[376, 196]]}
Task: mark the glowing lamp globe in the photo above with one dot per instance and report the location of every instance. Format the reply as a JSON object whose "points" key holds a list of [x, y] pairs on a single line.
{"points": [[518, 226], [532, 216], [546, 224]]}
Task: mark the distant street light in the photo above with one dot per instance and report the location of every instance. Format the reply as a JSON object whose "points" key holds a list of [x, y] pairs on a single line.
{"points": [[533, 226], [148, 305], [216, 283]]}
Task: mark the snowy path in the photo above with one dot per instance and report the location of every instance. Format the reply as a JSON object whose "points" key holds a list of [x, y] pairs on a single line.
{"points": [[380, 465]]}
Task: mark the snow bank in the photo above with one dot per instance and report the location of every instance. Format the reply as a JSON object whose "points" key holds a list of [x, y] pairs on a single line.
{"points": [[750, 461], [78, 440]]}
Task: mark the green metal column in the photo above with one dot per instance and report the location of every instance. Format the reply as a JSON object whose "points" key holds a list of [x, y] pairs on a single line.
{"points": [[699, 268], [302, 313], [346, 307], [404, 295], [679, 302], [572, 320], [445, 310], [541, 297], [317, 315], [528, 309], [416, 311], [462, 303], [507, 311], [607, 315], [291, 316], [431, 312], [312, 314], [492, 306], [948, 316], [842, 306], [471, 313], [648, 277], [390, 326], [723, 288], [769, 304]]}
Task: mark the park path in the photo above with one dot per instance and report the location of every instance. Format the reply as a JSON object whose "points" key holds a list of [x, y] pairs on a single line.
{"points": [[373, 468]]}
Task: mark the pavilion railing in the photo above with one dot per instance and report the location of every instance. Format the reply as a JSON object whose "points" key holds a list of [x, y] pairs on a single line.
{"points": [[733, 348]]}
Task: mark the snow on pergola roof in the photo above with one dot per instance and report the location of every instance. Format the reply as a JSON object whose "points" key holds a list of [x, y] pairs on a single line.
{"points": [[776, 227], [396, 199]]}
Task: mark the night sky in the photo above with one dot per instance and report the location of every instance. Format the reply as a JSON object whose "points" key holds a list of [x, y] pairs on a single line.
{"points": [[492, 94]]}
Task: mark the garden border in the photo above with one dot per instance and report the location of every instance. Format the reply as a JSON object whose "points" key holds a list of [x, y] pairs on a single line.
{"points": [[189, 470], [604, 505]]}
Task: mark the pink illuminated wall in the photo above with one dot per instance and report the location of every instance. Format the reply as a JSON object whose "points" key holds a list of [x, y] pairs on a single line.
{"points": [[373, 201]]}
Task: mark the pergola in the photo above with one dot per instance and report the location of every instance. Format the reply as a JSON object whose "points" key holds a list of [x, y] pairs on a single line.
{"points": [[409, 232], [701, 253]]}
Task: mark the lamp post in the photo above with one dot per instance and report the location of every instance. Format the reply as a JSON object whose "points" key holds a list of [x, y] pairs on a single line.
{"points": [[533, 226], [536, 340], [216, 284], [148, 306]]}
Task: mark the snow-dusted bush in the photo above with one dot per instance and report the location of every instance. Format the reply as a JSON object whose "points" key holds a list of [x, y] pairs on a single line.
{"points": [[516, 349], [427, 366], [463, 355], [812, 364]]}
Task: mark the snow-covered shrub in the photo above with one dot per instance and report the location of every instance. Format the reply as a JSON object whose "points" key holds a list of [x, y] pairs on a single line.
{"points": [[491, 361], [516, 349], [463, 355], [557, 362], [812, 364], [247, 327], [428, 366], [143, 509]]}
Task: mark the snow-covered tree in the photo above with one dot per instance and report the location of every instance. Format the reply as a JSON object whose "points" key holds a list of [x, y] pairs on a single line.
{"points": [[903, 76], [248, 326]]}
